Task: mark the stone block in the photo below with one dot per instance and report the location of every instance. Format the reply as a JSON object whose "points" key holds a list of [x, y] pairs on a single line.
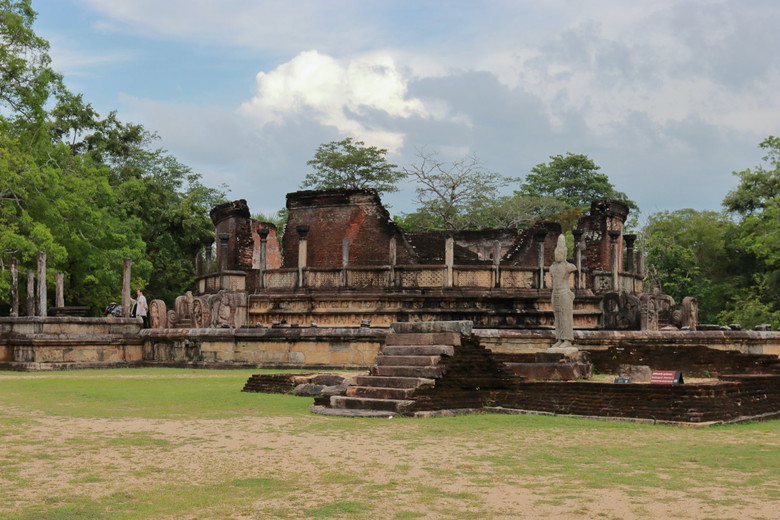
{"points": [[637, 373], [427, 338], [459, 327]]}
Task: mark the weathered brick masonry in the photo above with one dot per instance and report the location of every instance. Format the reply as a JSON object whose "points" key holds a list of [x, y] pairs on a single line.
{"points": [[736, 397]]}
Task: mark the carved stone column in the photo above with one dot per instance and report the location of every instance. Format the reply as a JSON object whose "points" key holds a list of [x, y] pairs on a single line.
{"points": [[496, 263], [629, 265], [59, 290], [449, 260], [344, 260], [14, 288], [615, 258], [539, 236], [42, 303], [127, 265], [393, 258], [31, 292], [629, 240], [223, 251], [263, 233], [303, 231], [207, 243]]}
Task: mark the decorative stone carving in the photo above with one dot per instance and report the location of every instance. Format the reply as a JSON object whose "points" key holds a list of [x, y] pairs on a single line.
{"points": [[656, 310], [183, 314], [224, 309], [200, 313], [620, 311], [158, 314], [562, 296], [690, 313]]}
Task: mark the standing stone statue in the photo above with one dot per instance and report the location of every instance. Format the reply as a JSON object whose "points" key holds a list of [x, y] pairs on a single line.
{"points": [[562, 298]]}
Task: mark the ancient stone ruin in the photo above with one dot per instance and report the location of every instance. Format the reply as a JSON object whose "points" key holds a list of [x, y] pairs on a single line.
{"points": [[343, 262], [346, 288]]}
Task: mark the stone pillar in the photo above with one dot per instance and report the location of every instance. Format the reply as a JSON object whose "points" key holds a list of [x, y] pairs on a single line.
{"points": [[629, 240], [640, 265], [302, 252], [263, 233], [496, 263], [344, 260], [59, 290], [127, 264], [578, 279], [615, 258], [449, 259], [629, 265], [539, 236], [31, 293], [207, 243], [223, 251], [42, 303], [14, 288], [393, 258]]}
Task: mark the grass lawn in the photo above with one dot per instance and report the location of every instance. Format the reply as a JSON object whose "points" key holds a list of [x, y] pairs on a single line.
{"points": [[189, 445]]}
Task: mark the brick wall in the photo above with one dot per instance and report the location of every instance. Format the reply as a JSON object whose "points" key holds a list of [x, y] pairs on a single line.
{"points": [[333, 215], [739, 396]]}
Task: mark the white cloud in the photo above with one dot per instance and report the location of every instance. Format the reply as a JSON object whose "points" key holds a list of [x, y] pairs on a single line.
{"points": [[339, 94]]}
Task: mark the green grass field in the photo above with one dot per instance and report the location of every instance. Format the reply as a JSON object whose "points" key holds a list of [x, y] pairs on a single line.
{"points": [[186, 444]]}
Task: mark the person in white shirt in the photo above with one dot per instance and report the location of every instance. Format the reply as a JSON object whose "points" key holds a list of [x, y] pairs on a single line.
{"points": [[142, 309]]}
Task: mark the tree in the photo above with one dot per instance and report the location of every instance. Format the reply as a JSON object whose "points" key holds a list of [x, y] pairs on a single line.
{"points": [[86, 190], [573, 179], [352, 165], [756, 202], [26, 78], [518, 212], [451, 194], [690, 253]]}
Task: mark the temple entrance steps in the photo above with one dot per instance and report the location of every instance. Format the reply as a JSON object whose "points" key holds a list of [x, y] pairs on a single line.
{"points": [[422, 366]]}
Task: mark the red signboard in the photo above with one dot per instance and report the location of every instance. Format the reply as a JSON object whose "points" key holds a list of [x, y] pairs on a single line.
{"points": [[666, 377]]}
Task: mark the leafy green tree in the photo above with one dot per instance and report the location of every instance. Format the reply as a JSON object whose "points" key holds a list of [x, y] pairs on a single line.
{"points": [[353, 165], [26, 78], [88, 191], [573, 179], [689, 254], [756, 202], [451, 195]]}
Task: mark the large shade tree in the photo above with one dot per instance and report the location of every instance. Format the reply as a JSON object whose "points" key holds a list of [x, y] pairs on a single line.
{"points": [[88, 191], [573, 179], [351, 164]]}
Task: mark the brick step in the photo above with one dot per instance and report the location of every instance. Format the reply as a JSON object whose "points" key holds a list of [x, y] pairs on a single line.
{"points": [[394, 382], [367, 403], [418, 350], [406, 371], [380, 392], [407, 361], [424, 338]]}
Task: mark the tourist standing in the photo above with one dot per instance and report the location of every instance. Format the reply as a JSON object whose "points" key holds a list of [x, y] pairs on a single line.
{"points": [[142, 309]]}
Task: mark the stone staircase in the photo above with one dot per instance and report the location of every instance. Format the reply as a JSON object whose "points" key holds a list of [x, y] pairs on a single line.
{"points": [[422, 366]]}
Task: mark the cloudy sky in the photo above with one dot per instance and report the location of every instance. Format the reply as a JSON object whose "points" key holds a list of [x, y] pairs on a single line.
{"points": [[668, 97]]}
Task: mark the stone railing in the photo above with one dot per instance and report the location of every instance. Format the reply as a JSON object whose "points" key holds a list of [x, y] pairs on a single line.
{"points": [[408, 277]]}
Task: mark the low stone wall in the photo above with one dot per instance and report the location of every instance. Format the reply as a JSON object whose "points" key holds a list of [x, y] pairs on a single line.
{"points": [[48, 342], [116, 341], [519, 341], [733, 399], [264, 347]]}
